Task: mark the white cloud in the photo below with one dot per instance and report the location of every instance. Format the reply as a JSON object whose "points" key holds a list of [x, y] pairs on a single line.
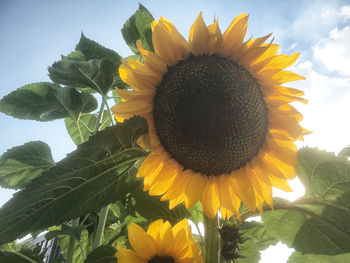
{"points": [[326, 12], [345, 12], [325, 115], [334, 52]]}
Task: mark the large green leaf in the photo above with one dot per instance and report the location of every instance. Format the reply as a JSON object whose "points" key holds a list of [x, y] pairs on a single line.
{"points": [[258, 233], [81, 128], [138, 26], [93, 50], [314, 258], [318, 223], [46, 101], [88, 179], [21, 164], [151, 208], [96, 74], [102, 254]]}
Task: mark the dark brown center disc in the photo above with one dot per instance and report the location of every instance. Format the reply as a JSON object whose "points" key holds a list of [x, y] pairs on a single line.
{"points": [[163, 259], [210, 114]]}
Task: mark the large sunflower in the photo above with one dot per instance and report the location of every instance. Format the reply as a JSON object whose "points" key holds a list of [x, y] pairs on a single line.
{"points": [[161, 244], [221, 129]]}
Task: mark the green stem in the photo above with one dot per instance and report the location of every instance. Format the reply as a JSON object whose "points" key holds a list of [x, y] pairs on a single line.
{"points": [[100, 227], [70, 252], [108, 109], [99, 117], [211, 240], [199, 231]]}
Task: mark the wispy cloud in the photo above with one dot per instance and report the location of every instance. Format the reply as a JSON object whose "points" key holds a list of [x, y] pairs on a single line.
{"points": [[333, 52], [345, 12]]}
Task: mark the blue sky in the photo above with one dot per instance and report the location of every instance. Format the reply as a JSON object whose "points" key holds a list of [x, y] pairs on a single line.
{"points": [[35, 33]]}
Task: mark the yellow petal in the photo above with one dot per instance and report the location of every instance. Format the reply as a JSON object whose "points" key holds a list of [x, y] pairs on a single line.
{"points": [[199, 37], [195, 187], [287, 170], [164, 179], [252, 55], [287, 76], [154, 228], [243, 188], [152, 59], [210, 198], [282, 61], [132, 94], [216, 39], [257, 42], [285, 124], [181, 43], [228, 199], [265, 58], [286, 151], [134, 80], [143, 244], [132, 107], [128, 256], [166, 239], [234, 35], [150, 168], [166, 42], [279, 99]]}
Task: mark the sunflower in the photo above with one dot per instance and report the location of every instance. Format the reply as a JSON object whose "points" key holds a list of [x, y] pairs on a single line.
{"points": [[221, 129], [161, 244]]}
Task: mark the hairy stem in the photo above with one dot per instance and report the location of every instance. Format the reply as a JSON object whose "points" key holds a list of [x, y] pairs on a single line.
{"points": [[108, 109], [100, 227], [70, 252], [211, 240]]}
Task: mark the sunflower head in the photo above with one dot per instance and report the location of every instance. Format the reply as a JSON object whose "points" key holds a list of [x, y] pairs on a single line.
{"points": [[161, 244], [221, 129]]}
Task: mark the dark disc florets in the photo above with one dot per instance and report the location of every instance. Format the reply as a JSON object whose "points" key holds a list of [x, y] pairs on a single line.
{"points": [[210, 114]]}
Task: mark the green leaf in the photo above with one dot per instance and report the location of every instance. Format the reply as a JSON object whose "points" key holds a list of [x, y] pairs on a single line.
{"points": [[88, 179], [93, 50], [138, 26], [249, 252], [258, 233], [46, 101], [102, 254], [312, 258], [96, 74], [21, 164], [23, 254], [151, 208], [318, 223], [196, 213], [76, 55], [80, 129], [66, 230], [345, 152]]}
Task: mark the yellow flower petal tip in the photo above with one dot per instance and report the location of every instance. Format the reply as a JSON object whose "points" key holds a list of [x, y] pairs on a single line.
{"points": [[161, 243], [221, 129]]}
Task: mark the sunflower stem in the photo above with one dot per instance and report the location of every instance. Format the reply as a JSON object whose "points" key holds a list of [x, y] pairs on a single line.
{"points": [[211, 240], [100, 227], [70, 252]]}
